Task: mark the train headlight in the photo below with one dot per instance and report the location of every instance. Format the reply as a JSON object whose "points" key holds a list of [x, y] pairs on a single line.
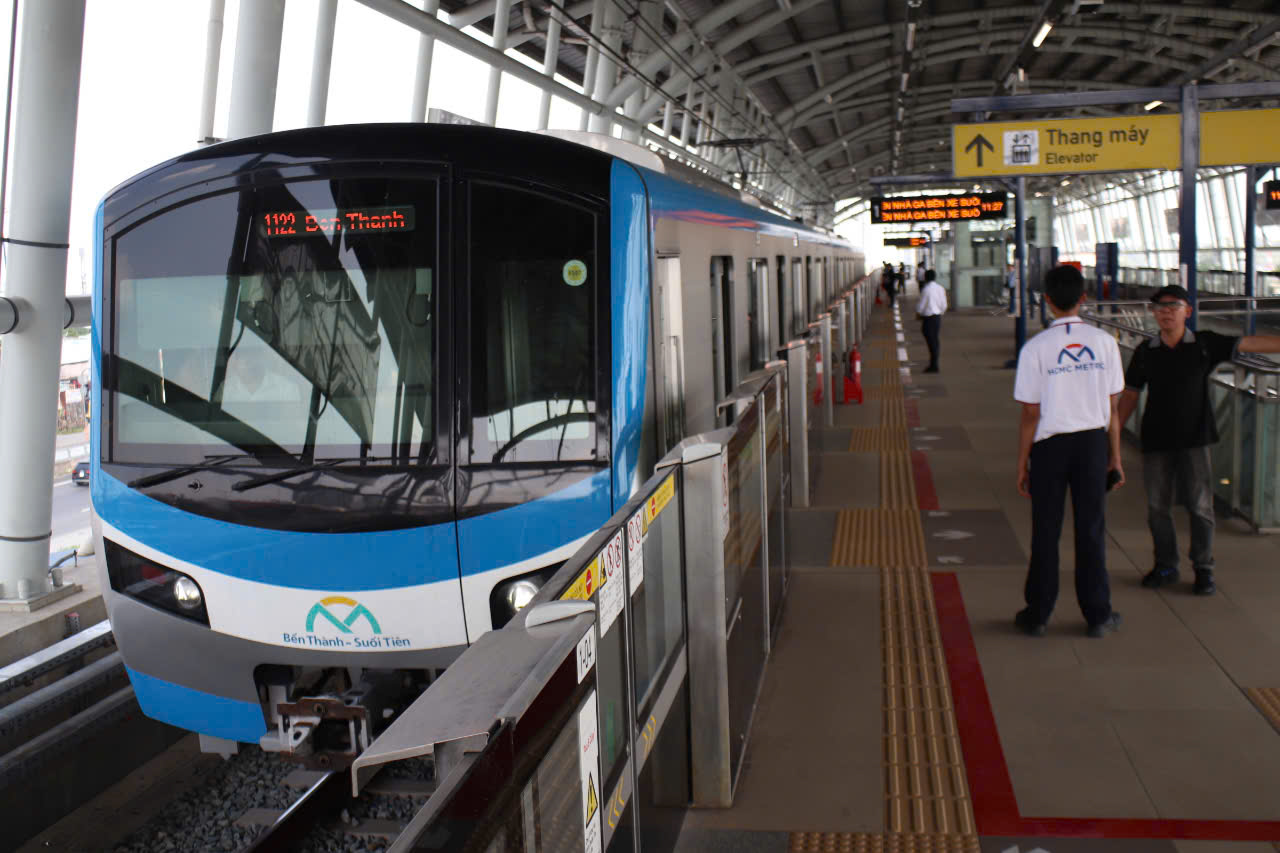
{"points": [[150, 583], [514, 594], [187, 593]]}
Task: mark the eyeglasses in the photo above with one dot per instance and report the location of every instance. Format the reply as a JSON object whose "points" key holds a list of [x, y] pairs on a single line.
{"points": [[1167, 306]]}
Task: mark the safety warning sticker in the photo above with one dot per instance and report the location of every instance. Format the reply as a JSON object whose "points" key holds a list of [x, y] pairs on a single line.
{"points": [[635, 548], [585, 584], [586, 653], [613, 587], [589, 773]]}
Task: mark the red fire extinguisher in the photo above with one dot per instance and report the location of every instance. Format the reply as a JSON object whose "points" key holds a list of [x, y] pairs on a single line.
{"points": [[853, 381], [817, 389]]}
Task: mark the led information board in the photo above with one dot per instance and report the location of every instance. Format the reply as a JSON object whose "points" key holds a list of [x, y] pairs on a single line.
{"points": [[939, 208], [906, 242], [1271, 194], [358, 220]]}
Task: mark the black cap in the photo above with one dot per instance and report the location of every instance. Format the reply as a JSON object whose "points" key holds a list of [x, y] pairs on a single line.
{"points": [[1175, 290]]}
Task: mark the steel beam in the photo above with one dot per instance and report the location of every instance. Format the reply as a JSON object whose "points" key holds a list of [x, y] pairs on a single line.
{"points": [[257, 66], [549, 59], [321, 62], [1071, 100], [501, 16], [52, 35], [1250, 241], [1187, 190], [422, 73], [212, 58]]}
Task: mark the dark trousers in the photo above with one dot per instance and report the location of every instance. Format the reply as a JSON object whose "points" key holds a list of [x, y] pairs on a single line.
{"points": [[892, 294], [931, 326], [1191, 472], [1077, 460]]}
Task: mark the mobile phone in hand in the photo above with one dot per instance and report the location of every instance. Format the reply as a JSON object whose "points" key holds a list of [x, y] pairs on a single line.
{"points": [[1113, 477]]}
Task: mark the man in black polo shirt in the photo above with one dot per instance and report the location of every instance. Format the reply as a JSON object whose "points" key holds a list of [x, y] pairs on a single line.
{"points": [[1178, 427]]}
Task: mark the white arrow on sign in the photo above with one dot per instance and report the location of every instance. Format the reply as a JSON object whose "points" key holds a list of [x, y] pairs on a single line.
{"points": [[938, 513], [953, 535], [949, 560], [929, 437]]}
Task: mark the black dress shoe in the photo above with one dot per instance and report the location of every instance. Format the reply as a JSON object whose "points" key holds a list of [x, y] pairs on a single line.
{"points": [[1100, 630], [1026, 626], [1204, 584], [1159, 577]]}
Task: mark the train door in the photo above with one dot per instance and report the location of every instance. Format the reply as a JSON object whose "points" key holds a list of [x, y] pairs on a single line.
{"points": [[722, 327], [533, 368], [759, 313], [668, 351]]}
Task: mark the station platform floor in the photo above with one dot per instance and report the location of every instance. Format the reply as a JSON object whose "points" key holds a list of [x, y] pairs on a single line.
{"points": [[902, 710]]}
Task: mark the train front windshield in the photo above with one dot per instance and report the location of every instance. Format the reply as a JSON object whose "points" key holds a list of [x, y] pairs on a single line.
{"points": [[297, 320]]}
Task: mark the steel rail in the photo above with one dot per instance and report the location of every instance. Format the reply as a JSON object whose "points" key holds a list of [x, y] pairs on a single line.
{"points": [[295, 823]]}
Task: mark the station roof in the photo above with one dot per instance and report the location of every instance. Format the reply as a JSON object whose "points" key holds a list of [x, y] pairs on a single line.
{"points": [[863, 88]]}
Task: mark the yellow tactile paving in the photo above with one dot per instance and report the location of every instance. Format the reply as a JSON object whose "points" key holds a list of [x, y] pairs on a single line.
{"points": [[880, 364], [878, 440], [863, 842], [878, 537], [1268, 701], [897, 486]]}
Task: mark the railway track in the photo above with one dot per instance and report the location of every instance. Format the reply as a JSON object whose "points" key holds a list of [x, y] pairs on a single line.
{"points": [[325, 816]]}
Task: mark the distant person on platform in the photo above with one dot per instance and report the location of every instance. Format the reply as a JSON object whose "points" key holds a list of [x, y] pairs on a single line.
{"points": [[930, 308], [1178, 427], [1069, 382], [902, 278], [888, 284], [920, 271]]}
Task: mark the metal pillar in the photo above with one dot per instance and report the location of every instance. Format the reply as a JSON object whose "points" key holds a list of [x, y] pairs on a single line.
{"points": [[607, 66], [593, 58], [549, 65], [212, 57], [40, 213], [1187, 201], [321, 62], [1250, 243], [253, 81], [1020, 237], [422, 75], [501, 18]]}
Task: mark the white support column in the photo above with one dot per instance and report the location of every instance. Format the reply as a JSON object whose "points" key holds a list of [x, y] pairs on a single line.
{"points": [[687, 121], [649, 14], [422, 77], [212, 58], [40, 212], [253, 80], [322, 62], [549, 59], [501, 18], [593, 58], [607, 66]]}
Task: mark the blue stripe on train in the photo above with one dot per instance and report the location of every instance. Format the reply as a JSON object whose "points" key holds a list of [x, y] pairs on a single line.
{"points": [[629, 274], [196, 710]]}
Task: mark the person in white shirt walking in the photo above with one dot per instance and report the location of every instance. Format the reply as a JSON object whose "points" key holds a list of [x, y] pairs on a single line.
{"points": [[1069, 383], [930, 308]]}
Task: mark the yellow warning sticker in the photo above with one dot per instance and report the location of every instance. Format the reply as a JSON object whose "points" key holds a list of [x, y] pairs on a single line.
{"points": [[659, 499], [593, 802], [584, 586]]}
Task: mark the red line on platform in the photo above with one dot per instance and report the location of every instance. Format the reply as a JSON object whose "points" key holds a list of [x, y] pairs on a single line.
{"points": [[926, 494], [995, 807]]}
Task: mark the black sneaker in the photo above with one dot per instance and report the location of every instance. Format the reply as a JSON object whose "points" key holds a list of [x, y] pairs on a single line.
{"points": [[1026, 626], [1204, 582], [1100, 630], [1159, 577]]}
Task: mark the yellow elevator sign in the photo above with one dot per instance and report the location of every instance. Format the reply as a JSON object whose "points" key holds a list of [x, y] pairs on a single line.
{"points": [[1239, 137], [1066, 146]]}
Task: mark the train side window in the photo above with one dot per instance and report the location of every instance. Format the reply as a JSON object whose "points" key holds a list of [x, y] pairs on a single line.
{"points": [[722, 324], [758, 314], [799, 316], [784, 303], [533, 280]]}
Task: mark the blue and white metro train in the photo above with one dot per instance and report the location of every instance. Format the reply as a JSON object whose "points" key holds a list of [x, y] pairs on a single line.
{"points": [[363, 388]]}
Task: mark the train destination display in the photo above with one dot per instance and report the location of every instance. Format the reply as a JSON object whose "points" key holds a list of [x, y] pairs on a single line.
{"points": [[357, 220], [906, 242], [1271, 193], [939, 208]]}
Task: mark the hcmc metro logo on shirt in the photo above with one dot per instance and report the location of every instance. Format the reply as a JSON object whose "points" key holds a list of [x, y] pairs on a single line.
{"points": [[1079, 357], [1082, 351]]}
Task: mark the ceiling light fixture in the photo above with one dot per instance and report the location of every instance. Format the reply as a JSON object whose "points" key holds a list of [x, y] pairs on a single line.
{"points": [[1151, 106], [1042, 34]]}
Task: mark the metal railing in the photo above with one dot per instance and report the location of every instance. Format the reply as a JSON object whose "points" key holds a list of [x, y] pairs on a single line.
{"points": [[1245, 395]]}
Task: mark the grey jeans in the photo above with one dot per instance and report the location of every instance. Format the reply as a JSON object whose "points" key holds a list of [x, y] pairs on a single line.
{"points": [[1189, 474]]}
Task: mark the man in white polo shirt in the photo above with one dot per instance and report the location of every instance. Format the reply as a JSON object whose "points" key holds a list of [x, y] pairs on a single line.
{"points": [[1069, 383], [930, 308]]}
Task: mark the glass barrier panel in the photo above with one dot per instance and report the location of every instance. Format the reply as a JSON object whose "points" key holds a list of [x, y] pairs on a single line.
{"points": [[656, 568], [742, 545], [777, 452]]}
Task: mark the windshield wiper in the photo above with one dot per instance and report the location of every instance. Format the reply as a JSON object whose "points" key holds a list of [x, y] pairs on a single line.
{"points": [[175, 473], [253, 483]]}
